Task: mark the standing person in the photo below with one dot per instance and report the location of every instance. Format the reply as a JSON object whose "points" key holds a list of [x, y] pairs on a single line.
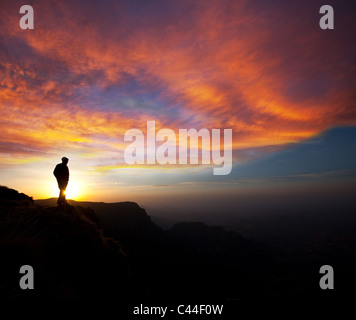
{"points": [[61, 172]]}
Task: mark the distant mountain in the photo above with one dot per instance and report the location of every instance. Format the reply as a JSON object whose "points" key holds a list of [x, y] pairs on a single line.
{"points": [[126, 221], [116, 253], [170, 261], [199, 236]]}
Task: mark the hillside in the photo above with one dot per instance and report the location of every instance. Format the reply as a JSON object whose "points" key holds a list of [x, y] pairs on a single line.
{"points": [[126, 221], [120, 244], [71, 257], [116, 253]]}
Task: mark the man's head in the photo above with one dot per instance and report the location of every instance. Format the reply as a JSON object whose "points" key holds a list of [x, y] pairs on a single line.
{"points": [[65, 160]]}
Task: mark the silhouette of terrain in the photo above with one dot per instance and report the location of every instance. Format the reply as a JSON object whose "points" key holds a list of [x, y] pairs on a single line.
{"points": [[114, 252], [282, 260], [190, 255], [71, 257]]}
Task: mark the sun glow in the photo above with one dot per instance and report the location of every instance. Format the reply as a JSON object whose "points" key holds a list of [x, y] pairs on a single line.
{"points": [[73, 190]]}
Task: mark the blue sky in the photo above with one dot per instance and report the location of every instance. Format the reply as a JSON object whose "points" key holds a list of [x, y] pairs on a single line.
{"points": [[90, 70]]}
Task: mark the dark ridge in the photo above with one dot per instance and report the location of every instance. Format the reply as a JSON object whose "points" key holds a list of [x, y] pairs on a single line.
{"points": [[114, 252], [11, 196], [71, 257]]}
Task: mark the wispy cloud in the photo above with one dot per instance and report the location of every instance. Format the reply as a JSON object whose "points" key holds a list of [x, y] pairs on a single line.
{"points": [[91, 70]]}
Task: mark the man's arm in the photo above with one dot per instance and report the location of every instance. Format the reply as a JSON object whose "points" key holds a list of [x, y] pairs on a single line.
{"points": [[55, 171], [67, 173]]}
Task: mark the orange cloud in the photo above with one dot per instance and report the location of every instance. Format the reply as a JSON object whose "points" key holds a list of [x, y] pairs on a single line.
{"points": [[216, 65]]}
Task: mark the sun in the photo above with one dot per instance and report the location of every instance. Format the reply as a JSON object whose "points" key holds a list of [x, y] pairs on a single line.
{"points": [[73, 190]]}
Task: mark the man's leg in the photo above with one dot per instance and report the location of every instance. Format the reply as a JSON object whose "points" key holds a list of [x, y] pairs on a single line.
{"points": [[62, 197], [64, 201]]}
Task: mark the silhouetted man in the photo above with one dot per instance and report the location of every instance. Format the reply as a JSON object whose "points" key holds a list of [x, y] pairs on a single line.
{"points": [[61, 172]]}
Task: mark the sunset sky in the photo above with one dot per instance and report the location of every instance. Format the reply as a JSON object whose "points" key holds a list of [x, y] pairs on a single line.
{"points": [[90, 70]]}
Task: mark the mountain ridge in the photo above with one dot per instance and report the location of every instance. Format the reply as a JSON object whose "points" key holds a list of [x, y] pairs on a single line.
{"points": [[119, 254]]}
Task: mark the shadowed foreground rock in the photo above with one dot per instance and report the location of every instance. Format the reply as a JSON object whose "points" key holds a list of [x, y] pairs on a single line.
{"points": [[76, 254], [71, 257]]}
